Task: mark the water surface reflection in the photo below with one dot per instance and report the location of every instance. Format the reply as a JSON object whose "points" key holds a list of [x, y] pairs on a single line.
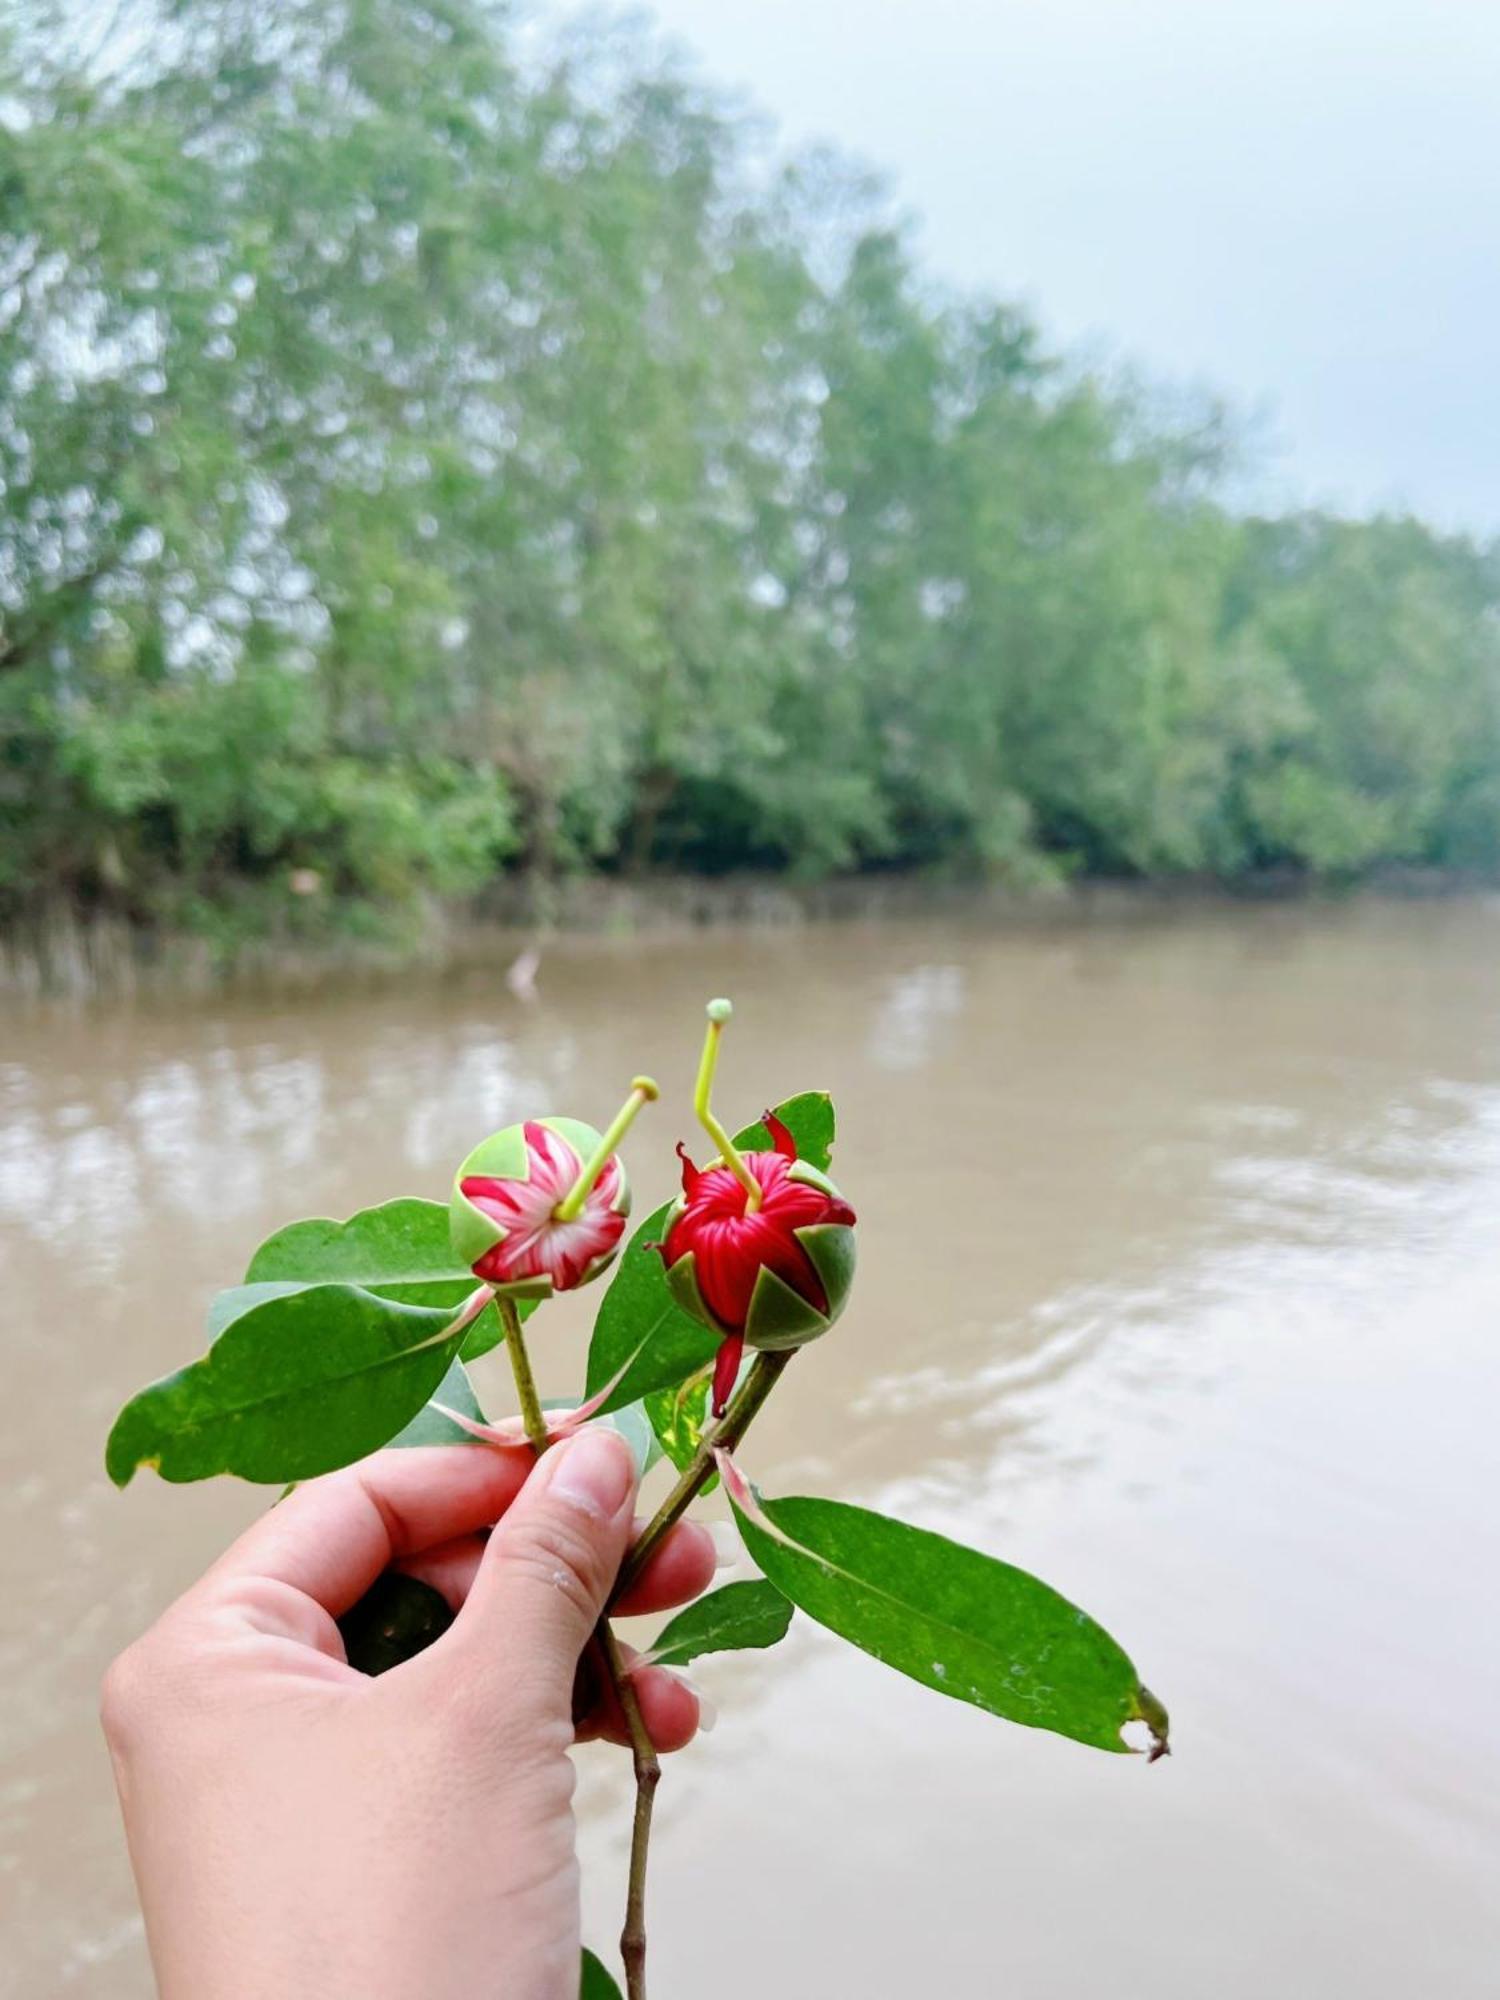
{"points": [[1180, 1284]]}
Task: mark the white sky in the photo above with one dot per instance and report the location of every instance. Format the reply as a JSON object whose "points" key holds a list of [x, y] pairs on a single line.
{"points": [[1296, 202]]}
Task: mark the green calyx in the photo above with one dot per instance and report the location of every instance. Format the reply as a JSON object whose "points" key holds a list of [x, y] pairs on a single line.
{"points": [[779, 1317], [504, 1156]]}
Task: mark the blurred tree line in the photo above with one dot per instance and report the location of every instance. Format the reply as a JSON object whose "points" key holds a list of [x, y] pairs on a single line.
{"points": [[420, 461]]}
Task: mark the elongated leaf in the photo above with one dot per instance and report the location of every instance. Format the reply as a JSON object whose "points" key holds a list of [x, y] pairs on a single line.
{"points": [[296, 1386], [739, 1618], [397, 1618], [225, 1307], [399, 1248], [430, 1426], [594, 1982], [956, 1620], [640, 1329]]}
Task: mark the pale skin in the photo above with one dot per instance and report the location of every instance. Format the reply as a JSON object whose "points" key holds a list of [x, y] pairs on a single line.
{"points": [[299, 1829]]}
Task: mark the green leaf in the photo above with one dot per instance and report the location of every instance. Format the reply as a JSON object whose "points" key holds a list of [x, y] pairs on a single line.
{"points": [[430, 1426], [297, 1385], [225, 1307], [739, 1618], [399, 1249], [678, 1416], [641, 1334], [594, 1982], [397, 1618], [956, 1620], [634, 1426], [489, 1329]]}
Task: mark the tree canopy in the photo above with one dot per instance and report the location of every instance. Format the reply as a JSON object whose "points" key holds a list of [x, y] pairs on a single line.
{"points": [[418, 462]]}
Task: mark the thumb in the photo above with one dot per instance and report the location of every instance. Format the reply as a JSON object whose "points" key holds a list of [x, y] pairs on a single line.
{"points": [[548, 1570]]}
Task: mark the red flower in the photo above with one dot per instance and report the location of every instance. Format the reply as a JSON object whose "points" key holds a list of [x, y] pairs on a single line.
{"points": [[776, 1275], [530, 1250]]}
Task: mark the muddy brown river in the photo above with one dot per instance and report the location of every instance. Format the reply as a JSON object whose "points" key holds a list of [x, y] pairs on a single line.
{"points": [[1180, 1285]]}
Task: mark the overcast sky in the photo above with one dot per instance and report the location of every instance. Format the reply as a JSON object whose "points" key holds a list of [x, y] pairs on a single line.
{"points": [[1294, 201]]}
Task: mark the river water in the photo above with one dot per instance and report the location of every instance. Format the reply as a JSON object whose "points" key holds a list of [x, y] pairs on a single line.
{"points": [[1180, 1284]]}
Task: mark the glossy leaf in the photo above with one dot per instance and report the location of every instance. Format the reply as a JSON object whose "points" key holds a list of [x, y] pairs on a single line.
{"points": [[299, 1384], [399, 1249], [641, 1335], [225, 1307], [430, 1426], [595, 1983], [741, 1617], [634, 1426], [678, 1416], [956, 1620], [397, 1618]]}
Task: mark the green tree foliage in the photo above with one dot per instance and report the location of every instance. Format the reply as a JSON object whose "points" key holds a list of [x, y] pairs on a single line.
{"points": [[414, 463]]}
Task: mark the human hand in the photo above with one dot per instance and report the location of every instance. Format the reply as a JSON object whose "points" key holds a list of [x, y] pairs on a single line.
{"points": [[300, 1830]]}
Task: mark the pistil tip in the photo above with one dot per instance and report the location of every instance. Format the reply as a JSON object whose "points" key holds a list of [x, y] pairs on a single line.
{"points": [[647, 1086], [719, 1011]]}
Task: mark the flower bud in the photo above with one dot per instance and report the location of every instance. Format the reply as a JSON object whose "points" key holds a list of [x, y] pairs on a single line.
{"points": [[504, 1217], [777, 1275]]}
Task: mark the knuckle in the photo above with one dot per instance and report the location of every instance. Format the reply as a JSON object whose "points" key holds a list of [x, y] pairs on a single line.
{"points": [[123, 1696]]}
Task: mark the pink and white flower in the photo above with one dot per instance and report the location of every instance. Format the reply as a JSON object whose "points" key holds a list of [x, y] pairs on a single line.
{"points": [[511, 1209]]}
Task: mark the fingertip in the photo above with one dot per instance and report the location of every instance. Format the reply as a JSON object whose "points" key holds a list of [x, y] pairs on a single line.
{"points": [[681, 1569], [670, 1706], [670, 1709]]}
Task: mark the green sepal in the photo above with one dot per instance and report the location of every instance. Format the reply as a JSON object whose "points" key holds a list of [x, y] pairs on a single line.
{"points": [[831, 1250], [504, 1157], [643, 1338], [779, 1317], [682, 1283]]}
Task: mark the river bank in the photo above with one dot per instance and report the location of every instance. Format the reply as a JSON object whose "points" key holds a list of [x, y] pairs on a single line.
{"points": [[72, 956]]}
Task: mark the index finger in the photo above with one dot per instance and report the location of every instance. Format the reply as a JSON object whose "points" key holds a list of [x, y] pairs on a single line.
{"points": [[331, 1538]]}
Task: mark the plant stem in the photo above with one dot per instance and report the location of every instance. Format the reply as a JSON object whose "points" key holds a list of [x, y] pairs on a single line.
{"points": [[731, 1427], [642, 1749], [647, 1778], [743, 1409], [520, 1367], [727, 1433]]}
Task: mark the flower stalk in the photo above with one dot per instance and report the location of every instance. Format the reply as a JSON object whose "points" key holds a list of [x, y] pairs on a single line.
{"points": [[532, 1415], [743, 1409], [643, 1090], [719, 1011]]}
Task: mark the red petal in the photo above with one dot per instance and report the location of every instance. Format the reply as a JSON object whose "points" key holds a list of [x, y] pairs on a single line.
{"points": [[726, 1367], [781, 1138], [690, 1174]]}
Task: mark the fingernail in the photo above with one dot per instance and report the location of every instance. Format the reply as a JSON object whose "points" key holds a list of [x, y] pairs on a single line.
{"points": [[727, 1545], [708, 1715], [595, 1473]]}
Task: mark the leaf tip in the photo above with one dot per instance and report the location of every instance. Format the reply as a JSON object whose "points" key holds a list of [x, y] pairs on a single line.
{"points": [[1150, 1711]]}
